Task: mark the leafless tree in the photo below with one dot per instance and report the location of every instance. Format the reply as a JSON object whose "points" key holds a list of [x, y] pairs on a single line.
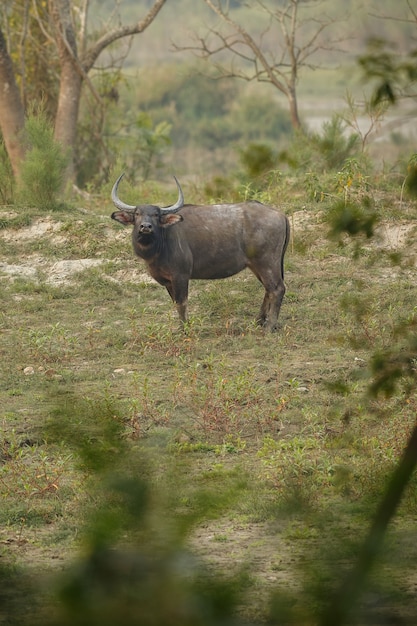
{"points": [[294, 33]]}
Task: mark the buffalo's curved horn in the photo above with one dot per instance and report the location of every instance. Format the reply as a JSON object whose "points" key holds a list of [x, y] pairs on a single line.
{"points": [[116, 201], [179, 203]]}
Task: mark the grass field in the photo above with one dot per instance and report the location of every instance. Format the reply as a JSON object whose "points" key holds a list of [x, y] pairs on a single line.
{"points": [[262, 455]]}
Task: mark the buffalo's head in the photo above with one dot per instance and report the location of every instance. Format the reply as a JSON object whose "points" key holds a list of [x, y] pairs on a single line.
{"points": [[146, 218]]}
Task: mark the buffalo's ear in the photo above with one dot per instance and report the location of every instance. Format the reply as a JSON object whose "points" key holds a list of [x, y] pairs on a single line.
{"points": [[124, 217], [168, 219]]}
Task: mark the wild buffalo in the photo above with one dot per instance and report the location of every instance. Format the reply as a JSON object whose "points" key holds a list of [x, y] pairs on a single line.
{"points": [[185, 241]]}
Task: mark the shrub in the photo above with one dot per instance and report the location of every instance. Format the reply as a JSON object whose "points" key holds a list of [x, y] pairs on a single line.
{"points": [[323, 151], [43, 170], [257, 159]]}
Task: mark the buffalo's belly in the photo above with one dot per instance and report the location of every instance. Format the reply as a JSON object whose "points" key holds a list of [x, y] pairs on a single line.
{"points": [[213, 271]]}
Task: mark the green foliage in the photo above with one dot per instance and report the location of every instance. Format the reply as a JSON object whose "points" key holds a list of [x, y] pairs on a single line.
{"points": [[186, 96], [135, 565], [394, 75], [97, 126], [351, 183], [134, 138], [333, 146], [221, 188], [43, 170], [197, 96]]}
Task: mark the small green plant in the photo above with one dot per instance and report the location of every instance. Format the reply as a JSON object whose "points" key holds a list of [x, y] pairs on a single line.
{"points": [[220, 189], [16, 221], [314, 186], [333, 144], [159, 337], [53, 345], [352, 179], [33, 484]]}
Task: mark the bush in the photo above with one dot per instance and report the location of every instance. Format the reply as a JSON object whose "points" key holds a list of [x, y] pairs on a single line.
{"points": [[323, 151], [257, 159], [43, 170]]}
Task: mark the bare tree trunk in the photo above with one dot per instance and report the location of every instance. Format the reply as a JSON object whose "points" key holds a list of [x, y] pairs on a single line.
{"points": [[12, 117], [75, 66], [71, 78], [293, 107]]}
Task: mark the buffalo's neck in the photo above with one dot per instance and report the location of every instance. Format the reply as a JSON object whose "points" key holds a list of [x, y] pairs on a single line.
{"points": [[146, 247], [164, 252]]}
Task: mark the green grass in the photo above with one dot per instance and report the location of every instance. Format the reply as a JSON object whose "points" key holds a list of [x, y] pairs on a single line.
{"points": [[238, 433]]}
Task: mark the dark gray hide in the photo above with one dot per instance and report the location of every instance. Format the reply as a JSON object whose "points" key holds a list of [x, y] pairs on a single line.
{"points": [[190, 241]]}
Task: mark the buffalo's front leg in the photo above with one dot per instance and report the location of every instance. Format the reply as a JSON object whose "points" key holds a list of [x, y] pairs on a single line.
{"points": [[179, 295]]}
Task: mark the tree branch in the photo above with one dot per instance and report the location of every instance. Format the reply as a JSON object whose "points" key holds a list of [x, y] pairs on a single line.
{"points": [[92, 53]]}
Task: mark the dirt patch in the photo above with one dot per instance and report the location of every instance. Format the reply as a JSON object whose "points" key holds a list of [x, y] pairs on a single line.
{"points": [[37, 267], [62, 271], [255, 545], [391, 236], [22, 271], [41, 228], [58, 273]]}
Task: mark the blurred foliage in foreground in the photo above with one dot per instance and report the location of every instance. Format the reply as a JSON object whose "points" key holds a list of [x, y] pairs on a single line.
{"points": [[133, 567]]}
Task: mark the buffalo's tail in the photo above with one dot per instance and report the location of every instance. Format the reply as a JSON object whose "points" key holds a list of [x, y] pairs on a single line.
{"points": [[286, 242]]}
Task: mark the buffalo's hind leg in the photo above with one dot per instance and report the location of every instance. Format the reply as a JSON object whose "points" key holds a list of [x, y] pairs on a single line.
{"points": [[271, 305], [274, 299]]}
